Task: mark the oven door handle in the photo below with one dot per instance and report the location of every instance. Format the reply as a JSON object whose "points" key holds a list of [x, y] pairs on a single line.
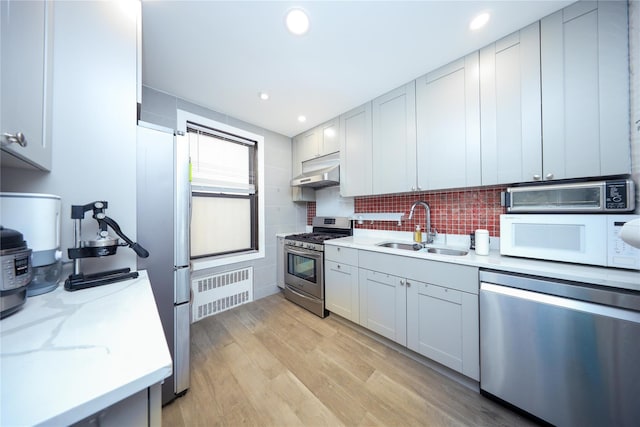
{"points": [[299, 294], [309, 254]]}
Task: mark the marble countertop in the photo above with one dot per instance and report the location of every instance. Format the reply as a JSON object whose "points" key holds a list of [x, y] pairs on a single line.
{"points": [[625, 279], [67, 355]]}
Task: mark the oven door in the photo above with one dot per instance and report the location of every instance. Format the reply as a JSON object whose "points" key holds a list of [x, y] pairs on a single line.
{"points": [[304, 270]]}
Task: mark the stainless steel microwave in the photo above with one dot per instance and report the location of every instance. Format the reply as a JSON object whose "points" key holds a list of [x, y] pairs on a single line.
{"points": [[606, 196]]}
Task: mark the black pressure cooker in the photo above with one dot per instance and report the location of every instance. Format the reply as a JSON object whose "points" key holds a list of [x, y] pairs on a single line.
{"points": [[15, 271]]}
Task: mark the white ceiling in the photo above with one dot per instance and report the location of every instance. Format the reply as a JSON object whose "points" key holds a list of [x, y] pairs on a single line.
{"points": [[221, 54]]}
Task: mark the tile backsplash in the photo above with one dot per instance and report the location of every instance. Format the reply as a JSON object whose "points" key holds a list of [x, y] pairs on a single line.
{"points": [[452, 212]]}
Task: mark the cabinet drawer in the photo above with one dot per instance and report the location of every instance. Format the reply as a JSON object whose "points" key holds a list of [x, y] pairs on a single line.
{"points": [[439, 292], [340, 267], [341, 254]]}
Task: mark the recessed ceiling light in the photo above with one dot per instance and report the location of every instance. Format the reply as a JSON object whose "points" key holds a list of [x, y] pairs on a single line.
{"points": [[297, 22], [302, 119], [479, 21], [264, 96]]}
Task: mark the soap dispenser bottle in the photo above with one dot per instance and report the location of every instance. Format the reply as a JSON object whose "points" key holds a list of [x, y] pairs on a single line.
{"points": [[417, 235]]}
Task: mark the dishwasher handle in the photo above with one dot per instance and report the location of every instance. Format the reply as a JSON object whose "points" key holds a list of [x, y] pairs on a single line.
{"points": [[567, 303]]}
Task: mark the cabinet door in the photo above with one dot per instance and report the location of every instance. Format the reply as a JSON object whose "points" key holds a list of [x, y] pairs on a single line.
{"points": [[585, 91], [329, 134], [307, 145], [341, 290], [383, 305], [394, 141], [26, 81], [355, 152], [434, 318], [448, 126], [511, 138]]}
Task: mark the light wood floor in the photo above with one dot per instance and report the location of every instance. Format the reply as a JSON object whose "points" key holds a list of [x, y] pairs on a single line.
{"points": [[271, 363]]}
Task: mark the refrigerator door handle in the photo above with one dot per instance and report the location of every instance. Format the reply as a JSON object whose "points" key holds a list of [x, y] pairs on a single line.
{"points": [[182, 284], [182, 207], [182, 324]]}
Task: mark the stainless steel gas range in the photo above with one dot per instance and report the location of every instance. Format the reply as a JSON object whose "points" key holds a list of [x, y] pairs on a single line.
{"points": [[304, 262]]}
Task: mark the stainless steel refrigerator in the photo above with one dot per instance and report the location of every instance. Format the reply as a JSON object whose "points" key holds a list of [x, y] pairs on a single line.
{"points": [[163, 212]]}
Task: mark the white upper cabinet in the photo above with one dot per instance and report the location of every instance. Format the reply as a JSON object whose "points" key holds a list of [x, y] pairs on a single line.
{"points": [[511, 119], [26, 82], [329, 136], [448, 126], [319, 141], [585, 91], [394, 141], [355, 152]]}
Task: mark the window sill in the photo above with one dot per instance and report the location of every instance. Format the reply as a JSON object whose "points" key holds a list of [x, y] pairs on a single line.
{"points": [[205, 263]]}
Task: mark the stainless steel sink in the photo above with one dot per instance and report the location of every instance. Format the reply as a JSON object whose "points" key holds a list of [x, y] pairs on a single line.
{"points": [[447, 251], [398, 245]]}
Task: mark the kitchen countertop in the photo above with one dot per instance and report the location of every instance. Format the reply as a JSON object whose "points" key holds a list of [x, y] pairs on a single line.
{"points": [[67, 355], [625, 279]]}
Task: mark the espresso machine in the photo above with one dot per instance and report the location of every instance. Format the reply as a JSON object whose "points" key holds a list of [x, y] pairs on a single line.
{"points": [[102, 245]]}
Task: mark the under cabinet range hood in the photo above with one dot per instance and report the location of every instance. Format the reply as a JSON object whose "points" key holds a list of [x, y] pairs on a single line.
{"points": [[319, 178]]}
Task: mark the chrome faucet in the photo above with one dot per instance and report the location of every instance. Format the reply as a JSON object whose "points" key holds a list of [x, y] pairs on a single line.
{"points": [[430, 235]]}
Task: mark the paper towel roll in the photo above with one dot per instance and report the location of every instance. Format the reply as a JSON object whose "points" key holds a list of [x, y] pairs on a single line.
{"points": [[482, 242]]}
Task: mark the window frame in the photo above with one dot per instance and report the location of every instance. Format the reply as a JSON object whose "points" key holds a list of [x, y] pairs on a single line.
{"points": [[205, 262]]}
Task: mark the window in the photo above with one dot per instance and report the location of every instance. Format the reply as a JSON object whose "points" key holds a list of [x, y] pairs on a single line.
{"points": [[226, 207]]}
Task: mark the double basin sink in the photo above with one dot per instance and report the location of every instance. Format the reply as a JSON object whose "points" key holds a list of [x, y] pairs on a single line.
{"points": [[419, 247]]}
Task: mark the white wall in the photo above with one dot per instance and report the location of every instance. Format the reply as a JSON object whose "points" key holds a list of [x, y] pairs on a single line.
{"points": [[94, 122], [281, 216]]}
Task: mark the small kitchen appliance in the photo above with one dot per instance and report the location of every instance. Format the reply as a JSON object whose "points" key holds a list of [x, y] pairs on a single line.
{"points": [[582, 239], [304, 262], [37, 216], [603, 196], [15, 271], [102, 245]]}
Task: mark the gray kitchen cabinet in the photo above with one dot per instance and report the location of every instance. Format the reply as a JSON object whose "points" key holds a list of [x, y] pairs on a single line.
{"points": [[26, 82], [141, 409], [319, 141], [510, 99], [280, 262], [585, 91], [341, 282], [448, 126], [355, 152], [394, 141], [429, 306], [442, 324], [383, 304]]}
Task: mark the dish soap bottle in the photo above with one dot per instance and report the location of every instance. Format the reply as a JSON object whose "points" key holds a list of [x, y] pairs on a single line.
{"points": [[417, 235]]}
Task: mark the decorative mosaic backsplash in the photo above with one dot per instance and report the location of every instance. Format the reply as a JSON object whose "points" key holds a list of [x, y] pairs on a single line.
{"points": [[452, 212]]}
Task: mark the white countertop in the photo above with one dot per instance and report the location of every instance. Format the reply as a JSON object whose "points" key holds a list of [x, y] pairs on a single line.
{"points": [[67, 355], [625, 279]]}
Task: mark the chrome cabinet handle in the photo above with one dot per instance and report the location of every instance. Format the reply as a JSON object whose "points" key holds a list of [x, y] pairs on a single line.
{"points": [[549, 176], [537, 177], [401, 282], [408, 284], [17, 138]]}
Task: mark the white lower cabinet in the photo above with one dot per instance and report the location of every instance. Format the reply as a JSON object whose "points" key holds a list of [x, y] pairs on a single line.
{"points": [[341, 282], [280, 262], [442, 324], [383, 306], [429, 306], [341, 290]]}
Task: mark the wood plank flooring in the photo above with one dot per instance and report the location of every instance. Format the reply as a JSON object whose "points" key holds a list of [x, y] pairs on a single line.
{"points": [[272, 363]]}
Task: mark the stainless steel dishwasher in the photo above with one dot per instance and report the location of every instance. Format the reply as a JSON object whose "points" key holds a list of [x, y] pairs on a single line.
{"points": [[565, 352]]}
